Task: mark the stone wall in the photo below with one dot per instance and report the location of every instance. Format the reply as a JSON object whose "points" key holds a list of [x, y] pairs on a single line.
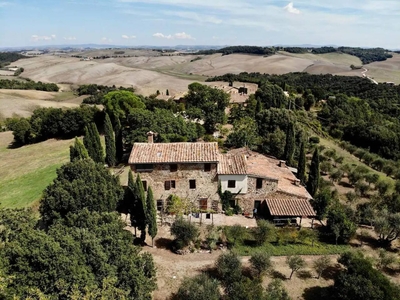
{"points": [[246, 202], [206, 182]]}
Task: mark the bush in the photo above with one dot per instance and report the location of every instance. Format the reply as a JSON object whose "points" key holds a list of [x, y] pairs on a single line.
{"points": [[314, 140], [235, 233], [264, 231], [184, 232], [229, 268], [260, 263], [200, 287]]}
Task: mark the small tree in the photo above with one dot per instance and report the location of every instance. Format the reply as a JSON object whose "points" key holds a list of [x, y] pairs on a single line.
{"points": [[264, 231], [261, 263], [321, 264], [236, 233], [151, 216], [229, 268], [295, 263], [276, 291], [314, 176], [200, 287], [385, 259], [110, 142], [167, 92], [78, 151], [184, 232]]}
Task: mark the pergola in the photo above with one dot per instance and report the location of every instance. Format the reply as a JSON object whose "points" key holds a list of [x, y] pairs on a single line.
{"points": [[290, 208]]}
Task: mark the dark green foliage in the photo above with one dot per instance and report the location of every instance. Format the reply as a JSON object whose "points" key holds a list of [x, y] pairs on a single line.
{"points": [[28, 85], [200, 287], [77, 151], [298, 50], [245, 289], [80, 184], [367, 55], [271, 95], [169, 128], [97, 92], [229, 268], [119, 143], [322, 201], [361, 281], [264, 231], [240, 49], [340, 223], [244, 133], [184, 232], [81, 252], [151, 215], [110, 142], [47, 123], [301, 166], [122, 103], [314, 176], [290, 145], [235, 234], [135, 204], [92, 143], [140, 197], [274, 143], [206, 103], [9, 57]]}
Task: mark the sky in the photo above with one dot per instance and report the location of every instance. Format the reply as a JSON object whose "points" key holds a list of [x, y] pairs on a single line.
{"points": [[363, 23]]}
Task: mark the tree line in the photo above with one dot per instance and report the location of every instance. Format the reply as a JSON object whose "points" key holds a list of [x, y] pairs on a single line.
{"points": [[7, 58], [28, 85]]}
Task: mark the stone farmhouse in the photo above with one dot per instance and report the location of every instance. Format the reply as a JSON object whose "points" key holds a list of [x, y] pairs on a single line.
{"points": [[194, 171]]}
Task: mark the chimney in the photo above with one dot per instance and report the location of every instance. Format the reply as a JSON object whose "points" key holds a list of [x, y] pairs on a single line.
{"points": [[282, 163], [150, 137], [297, 182]]}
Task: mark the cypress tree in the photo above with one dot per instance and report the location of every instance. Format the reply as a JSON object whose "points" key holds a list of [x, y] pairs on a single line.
{"points": [[131, 195], [77, 151], [110, 142], [290, 145], [87, 141], [141, 207], [119, 148], [313, 176], [151, 216], [301, 167], [99, 157]]}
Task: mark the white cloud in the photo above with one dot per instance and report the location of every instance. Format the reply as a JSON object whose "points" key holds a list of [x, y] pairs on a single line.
{"points": [[104, 39], [178, 36], [37, 38], [291, 9], [127, 37], [70, 38]]}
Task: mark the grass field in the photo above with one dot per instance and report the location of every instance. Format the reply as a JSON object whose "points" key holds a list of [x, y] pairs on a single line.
{"points": [[25, 172]]}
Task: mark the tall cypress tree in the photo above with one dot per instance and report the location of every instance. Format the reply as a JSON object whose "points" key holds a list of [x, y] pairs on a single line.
{"points": [[119, 148], [151, 216], [99, 152], [141, 207], [77, 151], [290, 145], [110, 142], [131, 195], [313, 176], [301, 167], [88, 141]]}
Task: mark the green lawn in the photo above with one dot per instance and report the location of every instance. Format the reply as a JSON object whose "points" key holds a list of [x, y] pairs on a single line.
{"points": [[25, 172], [292, 249]]}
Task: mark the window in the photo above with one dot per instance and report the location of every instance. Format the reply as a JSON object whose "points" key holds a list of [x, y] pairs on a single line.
{"points": [[144, 167], [207, 167], [173, 168], [169, 184], [231, 183], [160, 205], [259, 183], [208, 216], [203, 204], [192, 184], [144, 182]]}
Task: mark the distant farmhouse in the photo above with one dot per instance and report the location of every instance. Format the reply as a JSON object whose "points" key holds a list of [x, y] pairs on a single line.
{"points": [[194, 171]]}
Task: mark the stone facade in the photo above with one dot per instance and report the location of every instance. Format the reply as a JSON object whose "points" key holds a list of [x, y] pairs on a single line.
{"points": [[206, 182], [247, 201]]}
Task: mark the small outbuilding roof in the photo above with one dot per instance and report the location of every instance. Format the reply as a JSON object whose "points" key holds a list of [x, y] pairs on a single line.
{"points": [[290, 207], [149, 153]]}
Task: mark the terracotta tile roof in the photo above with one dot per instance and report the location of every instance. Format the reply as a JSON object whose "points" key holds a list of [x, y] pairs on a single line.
{"points": [[232, 164], [259, 165], [148, 153], [290, 207]]}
